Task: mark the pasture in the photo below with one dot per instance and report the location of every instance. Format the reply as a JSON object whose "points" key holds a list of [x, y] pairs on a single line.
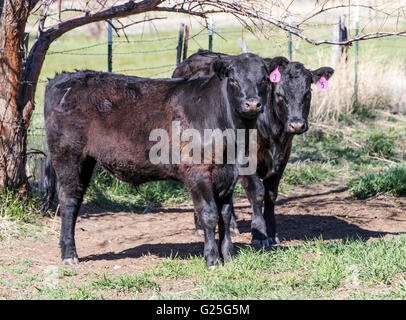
{"points": [[341, 210]]}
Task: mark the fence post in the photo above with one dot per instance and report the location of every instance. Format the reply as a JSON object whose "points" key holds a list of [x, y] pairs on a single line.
{"points": [[210, 33], [339, 34], [180, 41], [343, 36], [356, 54], [109, 47], [241, 42], [186, 42]]}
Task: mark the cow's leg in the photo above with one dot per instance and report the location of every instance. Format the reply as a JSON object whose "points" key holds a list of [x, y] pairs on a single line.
{"points": [[74, 177], [271, 192], [271, 185], [210, 219], [206, 209], [233, 225], [255, 191], [198, 226], [225, 244]]}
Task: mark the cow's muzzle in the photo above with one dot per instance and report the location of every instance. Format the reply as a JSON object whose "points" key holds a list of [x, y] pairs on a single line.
{"points": [[251, 108], [297, 126]]}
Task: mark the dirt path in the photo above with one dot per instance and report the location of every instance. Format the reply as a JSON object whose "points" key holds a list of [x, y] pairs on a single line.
{"points": [[125, 242]]}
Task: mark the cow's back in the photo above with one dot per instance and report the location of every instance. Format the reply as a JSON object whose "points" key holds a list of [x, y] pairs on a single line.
{"points": [[110, 117], [198, 64]]}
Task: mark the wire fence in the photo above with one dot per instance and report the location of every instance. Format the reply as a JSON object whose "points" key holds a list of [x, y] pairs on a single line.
{"points": [[156, 57]]}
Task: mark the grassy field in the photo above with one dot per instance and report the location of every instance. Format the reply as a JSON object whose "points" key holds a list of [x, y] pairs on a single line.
{"points": [[349, 269], [361, 148]]}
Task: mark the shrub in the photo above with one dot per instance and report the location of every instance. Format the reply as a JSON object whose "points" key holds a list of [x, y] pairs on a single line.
{"points": [[19, 208], [380, 143], [391, 180], [300, 173]]}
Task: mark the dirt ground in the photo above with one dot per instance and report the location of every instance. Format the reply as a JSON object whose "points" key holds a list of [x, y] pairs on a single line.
{"points": [[125, 242]]}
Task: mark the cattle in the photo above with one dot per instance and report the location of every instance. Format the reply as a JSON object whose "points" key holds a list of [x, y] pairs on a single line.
{"points": [[284, 117], [96, 117]]}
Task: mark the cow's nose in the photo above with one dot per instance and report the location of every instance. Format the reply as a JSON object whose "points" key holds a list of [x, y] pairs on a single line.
{"points": [[297, 126], [253, 106]]}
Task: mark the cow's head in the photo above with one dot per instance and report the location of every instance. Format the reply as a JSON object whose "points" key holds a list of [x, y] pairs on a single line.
{"points": [[292, 93], [248, 83]]}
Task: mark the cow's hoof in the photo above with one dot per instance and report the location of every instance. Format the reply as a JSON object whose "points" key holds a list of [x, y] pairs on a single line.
{"points": [[234, 232], [260, 243], [274, 240], [71, 261], [200, 233]]}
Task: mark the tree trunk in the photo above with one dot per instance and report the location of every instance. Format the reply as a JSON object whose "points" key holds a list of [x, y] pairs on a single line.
{"points": [[14, 119], [18, 81]]}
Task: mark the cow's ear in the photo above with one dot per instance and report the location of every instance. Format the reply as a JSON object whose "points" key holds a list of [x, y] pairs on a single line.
{"points": [[221, 68], [325, 72], [272, 63]]}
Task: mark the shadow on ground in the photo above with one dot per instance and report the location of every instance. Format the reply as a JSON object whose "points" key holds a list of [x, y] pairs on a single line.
{"points": [[292, 227]]}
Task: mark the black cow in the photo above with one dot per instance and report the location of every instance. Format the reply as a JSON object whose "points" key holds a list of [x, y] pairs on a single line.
{"points": [[285, 116], [108, 118]]}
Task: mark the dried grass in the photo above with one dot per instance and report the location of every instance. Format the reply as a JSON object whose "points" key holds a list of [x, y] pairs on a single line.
{"points": [[9, 229], [379, 86]]}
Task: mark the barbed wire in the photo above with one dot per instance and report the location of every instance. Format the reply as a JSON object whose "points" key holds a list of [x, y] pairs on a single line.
{"points": [[277, 41], [144, 68], [115, 53]]}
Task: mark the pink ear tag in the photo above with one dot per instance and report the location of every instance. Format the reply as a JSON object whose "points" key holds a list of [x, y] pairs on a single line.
{"points": [[322, 84], [275, 75]]}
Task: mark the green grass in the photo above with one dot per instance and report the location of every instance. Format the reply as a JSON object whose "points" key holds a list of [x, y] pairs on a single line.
{"points": [[111, 193], [302, 173], [137, 282], [316, 269], [389, 180], [19, 208], [19, 216], [313, 270], [66, 293], [288, 272], [380, 143]]}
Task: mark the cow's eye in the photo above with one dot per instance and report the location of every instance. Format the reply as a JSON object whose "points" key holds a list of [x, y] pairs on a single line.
{"points": [[280, 97], [234, 82]]}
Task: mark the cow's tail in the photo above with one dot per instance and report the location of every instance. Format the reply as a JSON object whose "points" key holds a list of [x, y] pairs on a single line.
{"points": [[50, 187]]}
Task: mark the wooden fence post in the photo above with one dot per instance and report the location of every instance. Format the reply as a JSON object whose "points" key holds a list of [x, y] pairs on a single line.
{"points": [[180, 42], [109, 47], [356, 54], [339, 34], [210, 33], [186, 42]]}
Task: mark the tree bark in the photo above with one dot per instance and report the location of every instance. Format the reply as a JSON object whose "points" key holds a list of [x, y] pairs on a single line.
{"points": [[18, 82], [14, 120]]}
